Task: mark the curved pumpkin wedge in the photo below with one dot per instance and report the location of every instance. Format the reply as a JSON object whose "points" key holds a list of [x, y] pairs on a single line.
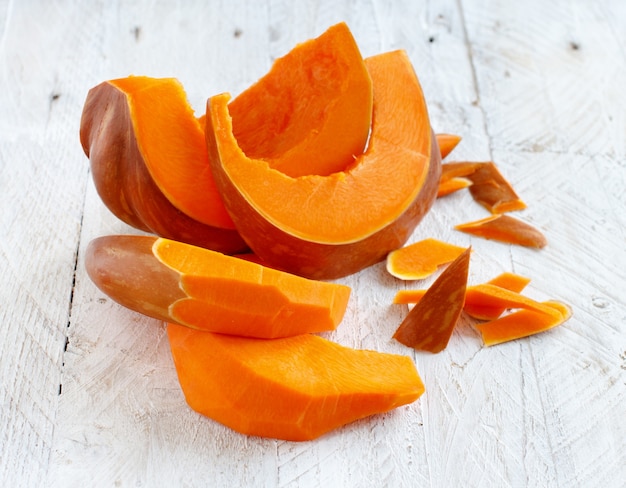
{"points": [[330, 226], [311, 114], [295, 388], [207, 290], [123, 131]]}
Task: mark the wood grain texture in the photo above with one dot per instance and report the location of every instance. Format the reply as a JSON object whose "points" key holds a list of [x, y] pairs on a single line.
{"points": [[88, 392]]}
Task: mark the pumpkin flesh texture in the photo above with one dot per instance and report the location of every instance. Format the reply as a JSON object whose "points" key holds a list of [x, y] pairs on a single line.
{"points": [[330, 226], [206, 290], [311, 114], [295, 388], [122, 178]]}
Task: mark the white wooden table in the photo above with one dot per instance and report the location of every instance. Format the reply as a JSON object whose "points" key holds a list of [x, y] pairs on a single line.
{"points": [[88, 392]]}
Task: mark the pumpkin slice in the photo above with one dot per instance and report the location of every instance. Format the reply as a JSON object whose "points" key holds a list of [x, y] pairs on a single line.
{"points": [[207, 290], [430, 323], [493, 191], [447, 142], [523, 323], [311, 114], [451, 185], [505, 228], [139, 132], [295, 388], [492, 296], [330, 226], [509, 281], [421, 259]]}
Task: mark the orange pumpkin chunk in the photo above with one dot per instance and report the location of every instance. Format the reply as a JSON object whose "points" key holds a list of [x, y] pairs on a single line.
{"points": [[421, 259], [505, 228], [429, 325], [523, 323], [295, 388], [207, 290], [493, 191], [311, 114], [447, 142]]}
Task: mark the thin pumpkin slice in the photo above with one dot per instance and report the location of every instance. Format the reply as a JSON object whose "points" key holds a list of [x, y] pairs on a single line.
{"points": [[295, 388], [311, 114], [207, 290], [477, 309], [458, 169], [326, 227], [523, 323], [447, 142], [488, 295], [451, 185], [509, 281], [493, 191], [421, 259], [507, 229], [429, 324]]}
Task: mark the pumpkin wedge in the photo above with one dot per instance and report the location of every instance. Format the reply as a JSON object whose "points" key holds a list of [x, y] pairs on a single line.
{"points": [[311, 114], [421, 259], [330, 226], [207, 290], [447, 142], [149, 162], [295, 388]]}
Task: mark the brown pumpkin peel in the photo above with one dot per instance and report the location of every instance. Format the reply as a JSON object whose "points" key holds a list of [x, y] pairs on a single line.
{"points": [[429, 324], [505, 228], [492, 190]]}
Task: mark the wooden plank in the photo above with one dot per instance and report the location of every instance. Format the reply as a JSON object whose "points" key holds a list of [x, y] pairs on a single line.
{"points": [[544, 411]]}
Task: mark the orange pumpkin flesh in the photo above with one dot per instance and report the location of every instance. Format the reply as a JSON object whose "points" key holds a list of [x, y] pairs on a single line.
{"points": [[421, 259], [509, 281], [295, 388], [206, 290], [133, 126], [523, 323], [330, 226], [311, 114], [447, 142]]}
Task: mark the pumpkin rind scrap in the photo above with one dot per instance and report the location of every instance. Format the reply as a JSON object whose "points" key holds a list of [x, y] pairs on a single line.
{"points": [[326, 227]]}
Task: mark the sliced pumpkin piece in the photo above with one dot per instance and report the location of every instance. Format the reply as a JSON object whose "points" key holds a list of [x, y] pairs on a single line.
{"points": [[447, 142], [523, 323], [458, 169], [429, 324], [149, 162], [505, 228], [493, 296], [295, 388], [451, 185], [330, 226], [207, 290], [407, 297], [493, 191], [510, 281], [311, 114], [421, 259]]}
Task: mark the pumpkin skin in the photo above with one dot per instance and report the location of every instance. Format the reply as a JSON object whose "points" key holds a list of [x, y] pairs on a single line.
{"points": [[109, 139], [327, 227]]}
